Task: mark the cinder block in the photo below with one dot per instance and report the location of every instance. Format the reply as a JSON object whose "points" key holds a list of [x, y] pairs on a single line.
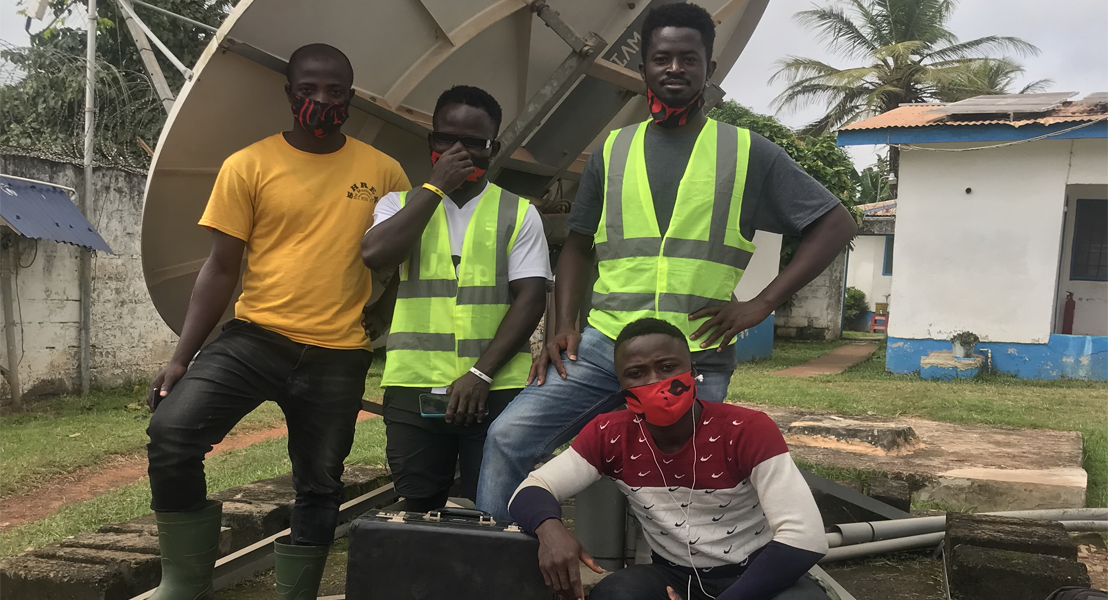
{"points": [[991, 574], [26, 577], [1007, 533]]}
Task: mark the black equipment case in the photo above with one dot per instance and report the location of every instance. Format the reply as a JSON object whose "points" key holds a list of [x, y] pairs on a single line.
{"points": [[449, 554]]}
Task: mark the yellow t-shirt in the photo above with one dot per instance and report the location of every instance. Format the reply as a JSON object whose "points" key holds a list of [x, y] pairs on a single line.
{"points": [[302, 216]]}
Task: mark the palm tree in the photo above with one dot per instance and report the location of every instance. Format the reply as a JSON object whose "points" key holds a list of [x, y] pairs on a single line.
{"points": [[989, 76], [906, 54]]}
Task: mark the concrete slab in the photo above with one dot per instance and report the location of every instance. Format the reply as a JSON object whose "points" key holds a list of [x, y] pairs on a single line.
{"points": [[990, 574], [25, 577], [142, 571], [967, 467], [854, 436], [834, 362]]}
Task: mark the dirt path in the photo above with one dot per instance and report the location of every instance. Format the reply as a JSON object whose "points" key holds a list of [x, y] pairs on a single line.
{"points": [[832, 363], [110, 474]]}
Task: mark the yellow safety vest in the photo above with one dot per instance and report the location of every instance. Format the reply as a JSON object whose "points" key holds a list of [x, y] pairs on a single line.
{"points": [[702, 256], [444, 320]]}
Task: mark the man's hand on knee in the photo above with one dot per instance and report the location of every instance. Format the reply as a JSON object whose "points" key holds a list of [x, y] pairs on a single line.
{"points": [[559, 553]]}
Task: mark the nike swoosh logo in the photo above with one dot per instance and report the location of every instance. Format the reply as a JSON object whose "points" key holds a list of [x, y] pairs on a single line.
{"points": [[712, 439], [755, 505], [679, 476], [717, 476], [728, 550], [710, 491], [694, 552], [693, 543], [605, 425], [635, 456], [684, 505], [608, 460], [759, 532], [737, 423], [675, 488], [644, 474], [650, 517], [637, 489], [615, 440], [726, 505], [733, 530], [708, 421], [663, 532], [667, 461], [680, 524], [619, 470], [718, 519], [705, 458], [649, 507], [642, 440]]}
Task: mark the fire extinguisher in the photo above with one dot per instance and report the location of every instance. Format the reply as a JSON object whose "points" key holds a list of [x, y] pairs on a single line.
{"points": [[1067, 314]]}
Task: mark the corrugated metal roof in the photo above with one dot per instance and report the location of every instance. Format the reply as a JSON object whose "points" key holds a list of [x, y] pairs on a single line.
{"points": [[878, 209], [924, 115], [42, 211]]}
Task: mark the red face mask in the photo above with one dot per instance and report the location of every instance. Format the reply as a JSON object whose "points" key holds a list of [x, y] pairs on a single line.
{"points": [[664, 402], [477, 164], [673, 116]]}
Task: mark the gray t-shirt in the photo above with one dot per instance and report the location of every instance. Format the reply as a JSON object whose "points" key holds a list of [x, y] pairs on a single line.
{"points": [[778, 197]]}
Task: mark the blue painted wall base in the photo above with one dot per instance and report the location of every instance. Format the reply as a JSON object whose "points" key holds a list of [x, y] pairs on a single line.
{"points": [[943, 366], [1064, 356], [755, 343]]}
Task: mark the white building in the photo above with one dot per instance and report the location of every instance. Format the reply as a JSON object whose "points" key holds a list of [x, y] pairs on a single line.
{"points": [[1000, 215], [869, 265]]}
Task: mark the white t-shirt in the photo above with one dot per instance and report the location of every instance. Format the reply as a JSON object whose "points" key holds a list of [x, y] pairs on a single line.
{"points": [[530, 256]]}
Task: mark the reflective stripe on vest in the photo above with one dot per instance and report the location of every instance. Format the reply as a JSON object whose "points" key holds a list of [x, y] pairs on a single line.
{"points": [[446, 318], [702, 256]]}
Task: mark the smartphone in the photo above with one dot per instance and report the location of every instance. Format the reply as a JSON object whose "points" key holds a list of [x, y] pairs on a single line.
{"points": [[433, 406]]}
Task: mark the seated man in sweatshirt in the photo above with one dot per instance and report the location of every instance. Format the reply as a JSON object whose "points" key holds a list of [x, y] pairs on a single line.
{"points": [[726, 512]]}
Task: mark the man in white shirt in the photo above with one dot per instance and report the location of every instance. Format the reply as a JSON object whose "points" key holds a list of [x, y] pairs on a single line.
{"points": [[471, 288]]}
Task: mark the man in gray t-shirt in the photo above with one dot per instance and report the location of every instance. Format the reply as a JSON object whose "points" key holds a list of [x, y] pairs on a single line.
{"points": [[777, 196]]}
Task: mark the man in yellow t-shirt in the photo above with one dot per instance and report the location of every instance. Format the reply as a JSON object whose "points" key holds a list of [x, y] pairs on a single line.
{"points": [[297, 203]]}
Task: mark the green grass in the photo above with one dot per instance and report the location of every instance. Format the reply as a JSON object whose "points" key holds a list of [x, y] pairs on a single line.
{"points": [[1067, 405], [58, 436], [235, 467]]}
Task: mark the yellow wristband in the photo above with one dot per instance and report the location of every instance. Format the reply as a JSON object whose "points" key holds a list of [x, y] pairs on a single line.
{"points": [[437, 191]]}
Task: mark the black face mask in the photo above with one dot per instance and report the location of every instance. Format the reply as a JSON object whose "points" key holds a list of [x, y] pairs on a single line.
{"points": [[319, 118]]}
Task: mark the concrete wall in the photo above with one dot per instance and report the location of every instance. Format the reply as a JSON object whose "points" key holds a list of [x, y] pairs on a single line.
{"points": [[985, 261], [865, 268], [1090, 315], [129, 340], [816, 311]]}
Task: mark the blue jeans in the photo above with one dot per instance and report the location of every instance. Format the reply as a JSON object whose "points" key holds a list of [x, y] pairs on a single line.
{"points": [[542, 418]]}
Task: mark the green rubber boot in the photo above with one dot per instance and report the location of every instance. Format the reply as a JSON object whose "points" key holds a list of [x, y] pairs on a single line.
{"points": [[298, 569], [189, 543]]}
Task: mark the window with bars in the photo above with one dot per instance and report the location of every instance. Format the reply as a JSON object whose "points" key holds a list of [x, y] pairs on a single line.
{"points": [[1089, 259]]}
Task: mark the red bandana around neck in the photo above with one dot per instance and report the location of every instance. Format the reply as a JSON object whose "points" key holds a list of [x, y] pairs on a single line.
{"points": [[664, 402], [670, 116]]}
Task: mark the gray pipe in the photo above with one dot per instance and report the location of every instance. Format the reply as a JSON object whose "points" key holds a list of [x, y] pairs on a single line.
{"points": [[1085, 525], [849, 534], [915, 542]]}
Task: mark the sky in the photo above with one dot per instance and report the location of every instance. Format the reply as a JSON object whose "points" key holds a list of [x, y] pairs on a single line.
{"points": [[1070, 34]]}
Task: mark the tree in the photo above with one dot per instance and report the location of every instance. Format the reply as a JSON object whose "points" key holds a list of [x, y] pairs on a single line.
{"points": [[904, 53], [818, 155], [42, 97]]}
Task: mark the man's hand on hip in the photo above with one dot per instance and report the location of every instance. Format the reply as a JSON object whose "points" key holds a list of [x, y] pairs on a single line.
{"points": [[728, 320]]}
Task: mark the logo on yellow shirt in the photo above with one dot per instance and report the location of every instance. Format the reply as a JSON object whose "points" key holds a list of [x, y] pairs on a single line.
{"points": [[362, 192]]}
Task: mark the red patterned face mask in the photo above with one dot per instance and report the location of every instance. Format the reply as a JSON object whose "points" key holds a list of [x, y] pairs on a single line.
{"points": [[670, 116], [319, 118], [664, 402]]}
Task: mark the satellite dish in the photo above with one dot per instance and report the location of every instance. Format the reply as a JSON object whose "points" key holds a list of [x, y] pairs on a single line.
{"points": [[564, 79]]}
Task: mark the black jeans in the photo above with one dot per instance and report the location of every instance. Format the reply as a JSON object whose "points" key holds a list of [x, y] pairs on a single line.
{"points": [[320, 391], [424, 452], [649, 582]]}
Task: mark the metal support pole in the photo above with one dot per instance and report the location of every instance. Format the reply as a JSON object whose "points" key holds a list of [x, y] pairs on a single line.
{"points": [[10, 259], [599, 523], [85, 271], [129, 12], [161, 86], [174, 15]]}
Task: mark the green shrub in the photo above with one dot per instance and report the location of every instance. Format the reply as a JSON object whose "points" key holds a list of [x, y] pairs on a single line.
{"points": [[854, 305]]}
